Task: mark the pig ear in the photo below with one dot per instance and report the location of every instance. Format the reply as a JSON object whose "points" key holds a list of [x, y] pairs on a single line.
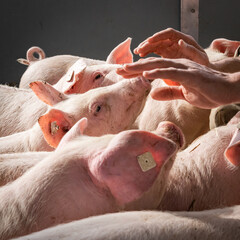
{"points": [[232, 153], [130, 171], [72, 81], [225, 46], [23, 61], [47, 93], [77, 130], [54, 126], [121, 54]]}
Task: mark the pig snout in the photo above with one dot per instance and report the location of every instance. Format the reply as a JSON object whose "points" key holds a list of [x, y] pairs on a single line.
{"points": [[172, 132], [136, 87]]}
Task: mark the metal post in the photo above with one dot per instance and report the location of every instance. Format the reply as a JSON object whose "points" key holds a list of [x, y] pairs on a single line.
{"points": [[190, 17]]}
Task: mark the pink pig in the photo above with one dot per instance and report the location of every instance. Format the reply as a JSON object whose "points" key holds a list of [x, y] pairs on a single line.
{"points": [[47, 69], [217, 224], [109, 109], [53, 69], [80, 179], [17, 105]]}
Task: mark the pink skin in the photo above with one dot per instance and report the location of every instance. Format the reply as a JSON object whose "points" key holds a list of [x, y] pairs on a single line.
{"points": [[82, 77], [220, 224], [76, 181], [21, 104], [54, 69], [109, 109], [208, 171]]}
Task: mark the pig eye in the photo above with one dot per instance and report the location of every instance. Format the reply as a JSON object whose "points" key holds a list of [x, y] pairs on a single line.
{"points": [[237, 53], [98, 109], [97, 76]]}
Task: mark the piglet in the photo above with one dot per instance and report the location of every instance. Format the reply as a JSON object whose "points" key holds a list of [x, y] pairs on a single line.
{"points": [[217, 224], [109, 109], [89, 176], [206, 175], [53, 69]]}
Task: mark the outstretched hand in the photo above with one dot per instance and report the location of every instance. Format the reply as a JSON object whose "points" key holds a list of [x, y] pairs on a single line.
{"points": [[171, 43], [199, 85]]}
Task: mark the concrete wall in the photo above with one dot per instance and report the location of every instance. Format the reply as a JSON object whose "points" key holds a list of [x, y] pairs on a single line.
{"points": [[92, 28]]}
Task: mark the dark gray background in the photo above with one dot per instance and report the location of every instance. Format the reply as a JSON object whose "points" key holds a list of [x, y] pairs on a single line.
{"points": [[92, 28]]}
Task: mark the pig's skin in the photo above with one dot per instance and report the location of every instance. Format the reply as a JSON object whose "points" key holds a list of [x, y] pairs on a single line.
{"points": [[193, 121], [217, 224], [14, 165], [201, 177], [20, 109], [74, 183], [120, 105], [17, 105], [51, 69]]}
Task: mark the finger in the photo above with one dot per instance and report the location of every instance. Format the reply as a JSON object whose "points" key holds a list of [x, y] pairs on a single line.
{"points": [[174, 35], [157, 47], [193, 53], [126, 74], [177, 75], [168, 33], [145, 49], [167, 93]]}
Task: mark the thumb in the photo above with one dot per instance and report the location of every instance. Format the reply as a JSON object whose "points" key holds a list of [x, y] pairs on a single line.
{"points": [[167, 93]]}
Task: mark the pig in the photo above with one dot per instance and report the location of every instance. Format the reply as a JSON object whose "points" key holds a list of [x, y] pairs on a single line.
{"points": [[16, 106], [52, 69], [224, 55], [79, 180], [192, 120], [13, 165], [217, 224], [109, 109], [21, 104], [206, 175], [47, 69], [196, 179]]}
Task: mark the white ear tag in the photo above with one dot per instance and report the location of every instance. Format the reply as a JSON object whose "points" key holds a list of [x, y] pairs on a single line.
{"points": [[69, 76], [146, 161]]}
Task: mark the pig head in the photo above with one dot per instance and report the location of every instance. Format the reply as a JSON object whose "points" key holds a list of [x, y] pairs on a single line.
{"points": [[109, 109], [87, 176]]}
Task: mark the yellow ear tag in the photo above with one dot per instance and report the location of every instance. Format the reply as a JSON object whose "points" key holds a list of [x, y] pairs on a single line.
{"points": [[146, 161], [54, 127]]}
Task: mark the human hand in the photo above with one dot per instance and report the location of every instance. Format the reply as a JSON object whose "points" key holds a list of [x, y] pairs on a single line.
{"points": [[171, 43], [199, 85]]}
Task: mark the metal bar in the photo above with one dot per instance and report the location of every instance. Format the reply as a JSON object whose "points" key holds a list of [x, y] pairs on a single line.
{"points": [[190, 17]]}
